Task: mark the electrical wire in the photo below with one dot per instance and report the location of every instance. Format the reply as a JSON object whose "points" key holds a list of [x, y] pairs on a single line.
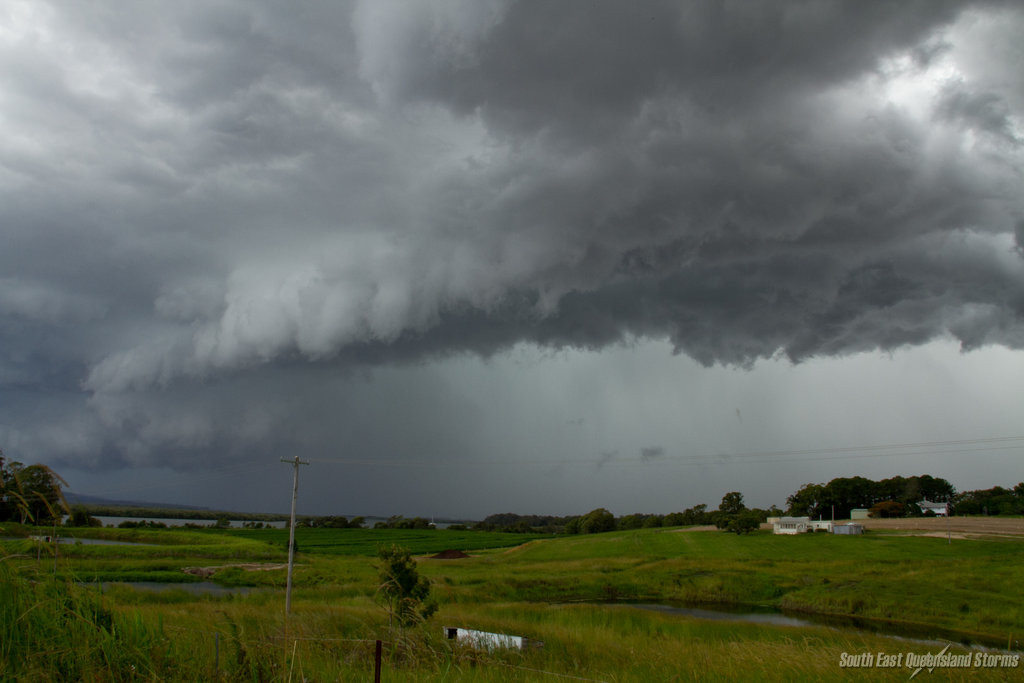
{"points": [[752, 457]]}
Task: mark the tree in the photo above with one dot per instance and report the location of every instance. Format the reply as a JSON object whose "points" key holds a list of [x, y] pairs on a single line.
{"points": [[7, 499], [732, 503], [30, 494], [887, 508], [744, 522], [729, 509], [806, 502], [403, 591], [81, 517], [520, 527], [844, 494], [597, 521], [696, 515], [634, 521], [653, 521], [674, 519]]}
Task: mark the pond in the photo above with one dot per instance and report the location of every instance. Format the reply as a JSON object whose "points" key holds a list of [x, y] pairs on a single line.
{"points": [[97, 541], [65, 540], [193, 588], [923, 633]]}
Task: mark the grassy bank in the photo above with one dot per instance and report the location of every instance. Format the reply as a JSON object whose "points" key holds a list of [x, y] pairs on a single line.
{"points": [[969, 585], [557, 590], [247, 639]]}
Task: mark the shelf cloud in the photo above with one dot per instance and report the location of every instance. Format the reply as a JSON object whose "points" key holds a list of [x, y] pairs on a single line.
{"points": [[208, 204]]}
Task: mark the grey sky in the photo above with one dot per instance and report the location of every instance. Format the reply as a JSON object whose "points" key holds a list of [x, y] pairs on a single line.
{"points": [[493, 256]]}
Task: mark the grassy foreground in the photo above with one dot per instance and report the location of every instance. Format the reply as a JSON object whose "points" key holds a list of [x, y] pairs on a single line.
{"points": [[567, 591]]}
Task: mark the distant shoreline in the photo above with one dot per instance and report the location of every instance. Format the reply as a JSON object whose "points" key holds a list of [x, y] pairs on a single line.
{"points": [[206, 514]]}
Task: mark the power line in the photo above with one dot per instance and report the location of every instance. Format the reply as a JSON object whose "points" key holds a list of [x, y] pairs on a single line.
{"points": [[751, 457]]}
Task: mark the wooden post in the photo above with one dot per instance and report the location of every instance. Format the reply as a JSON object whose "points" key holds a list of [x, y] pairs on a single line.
{"points": [[216, 650], [376, 662], [291, 537]]}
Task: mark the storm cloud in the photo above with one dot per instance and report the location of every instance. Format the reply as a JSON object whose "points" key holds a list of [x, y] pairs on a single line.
{"points": [[211, 206]]}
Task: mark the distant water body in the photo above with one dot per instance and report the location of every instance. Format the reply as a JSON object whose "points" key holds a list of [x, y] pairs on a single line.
{"points": [[368, 522], [174, 521]]}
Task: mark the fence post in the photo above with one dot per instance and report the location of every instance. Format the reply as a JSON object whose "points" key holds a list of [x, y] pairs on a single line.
{"points": [[376, 662], [216, 651]]}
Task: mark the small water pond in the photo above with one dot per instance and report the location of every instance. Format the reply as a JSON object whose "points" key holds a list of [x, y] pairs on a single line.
{"points": [[66, 540], [98, 541], [922, 633], [193, 588]]}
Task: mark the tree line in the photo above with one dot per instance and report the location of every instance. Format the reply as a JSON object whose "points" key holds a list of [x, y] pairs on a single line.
{"points": [[844, 494], [893, 497], [731, 515], [32, 494]]}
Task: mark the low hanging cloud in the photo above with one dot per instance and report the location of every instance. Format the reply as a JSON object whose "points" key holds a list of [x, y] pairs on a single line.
{"points": [[205, 193], [651, 453]]}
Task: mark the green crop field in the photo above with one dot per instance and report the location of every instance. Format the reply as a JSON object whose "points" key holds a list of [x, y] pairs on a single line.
{"points": [[366, 541], [571, 592]]}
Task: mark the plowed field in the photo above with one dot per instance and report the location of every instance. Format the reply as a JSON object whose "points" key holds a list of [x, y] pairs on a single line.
{"points": [[981, 526]]}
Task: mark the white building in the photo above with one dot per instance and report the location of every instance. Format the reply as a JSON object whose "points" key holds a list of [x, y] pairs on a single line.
{"points": [[791, 525], [940, 509]]}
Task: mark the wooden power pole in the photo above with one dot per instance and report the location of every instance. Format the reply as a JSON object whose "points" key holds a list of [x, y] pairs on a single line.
{"points": [[291, 534]]}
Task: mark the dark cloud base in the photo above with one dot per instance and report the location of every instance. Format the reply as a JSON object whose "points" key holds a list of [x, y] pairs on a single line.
{"points": [[206, 205]]}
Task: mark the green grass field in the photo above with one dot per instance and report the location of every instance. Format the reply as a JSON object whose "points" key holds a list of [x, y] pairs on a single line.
{"points": [[570, 592], [366, 541]]}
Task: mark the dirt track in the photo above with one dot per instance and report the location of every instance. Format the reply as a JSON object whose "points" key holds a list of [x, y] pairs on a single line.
{"points": [[979, 526]]}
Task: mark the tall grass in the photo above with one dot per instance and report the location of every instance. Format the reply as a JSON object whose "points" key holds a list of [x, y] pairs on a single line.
{"points": [[51, 628]]}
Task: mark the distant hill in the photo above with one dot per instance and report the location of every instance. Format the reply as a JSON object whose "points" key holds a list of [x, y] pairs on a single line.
{"points": [[85, 499], [100, 506]]}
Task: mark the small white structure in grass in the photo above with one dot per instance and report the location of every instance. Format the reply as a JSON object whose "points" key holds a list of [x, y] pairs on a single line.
{"points": [[825, 526], [482, 640], [791, 525], [850, 529]]}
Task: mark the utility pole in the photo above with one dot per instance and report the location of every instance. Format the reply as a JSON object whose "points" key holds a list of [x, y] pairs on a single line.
{"points": [[949, 525], [291, 535]]}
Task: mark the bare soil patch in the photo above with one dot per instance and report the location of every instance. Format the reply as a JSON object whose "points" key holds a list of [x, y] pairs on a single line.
{"points": [[449, 555], [971, 526]]}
